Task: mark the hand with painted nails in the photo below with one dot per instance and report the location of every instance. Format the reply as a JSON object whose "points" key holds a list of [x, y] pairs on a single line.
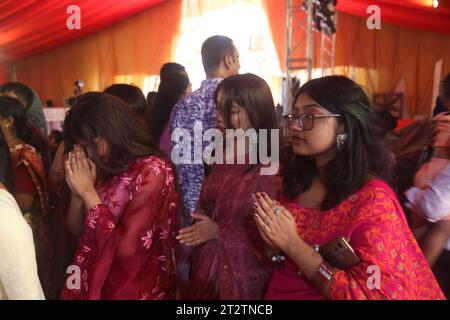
{"points": [[260, 229], [275, 222], [203, 230]]}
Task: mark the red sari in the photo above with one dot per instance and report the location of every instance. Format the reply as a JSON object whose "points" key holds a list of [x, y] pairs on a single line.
{"points": [[236, 266], [30, 179], [126, 249], [373, 221]]}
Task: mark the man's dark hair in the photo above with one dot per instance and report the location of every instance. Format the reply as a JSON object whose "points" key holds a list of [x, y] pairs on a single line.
{"points": [[444, 88], [214, 49], [170, 68], [22, 92]]}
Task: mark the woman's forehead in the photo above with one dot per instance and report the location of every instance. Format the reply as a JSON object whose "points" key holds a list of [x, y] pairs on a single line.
{"points": [[305, 107]]}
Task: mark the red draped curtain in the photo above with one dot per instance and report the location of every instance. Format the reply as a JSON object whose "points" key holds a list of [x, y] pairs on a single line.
{"points": [[135, 47], [381, 58]]}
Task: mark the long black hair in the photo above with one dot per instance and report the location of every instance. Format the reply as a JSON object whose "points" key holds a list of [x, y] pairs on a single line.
{"points": [[11, 107], [364, 154], [97, 114], [253, 94], [130, 94], [170, 91], [22, 91], [6, 171]]}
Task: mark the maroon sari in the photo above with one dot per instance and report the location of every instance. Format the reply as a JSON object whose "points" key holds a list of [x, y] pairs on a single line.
{"points": [[236, 265]]}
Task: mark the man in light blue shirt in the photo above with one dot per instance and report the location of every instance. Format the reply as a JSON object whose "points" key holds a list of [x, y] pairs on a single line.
{"points": [[220, 60]]}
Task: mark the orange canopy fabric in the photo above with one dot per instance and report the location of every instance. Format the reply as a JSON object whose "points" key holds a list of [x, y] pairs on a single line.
{"points": [[401, 50], [134, 47], [29, 27], [413, 14]]}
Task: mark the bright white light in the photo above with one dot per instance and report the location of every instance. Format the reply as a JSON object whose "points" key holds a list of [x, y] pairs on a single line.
{"points": [[435, 3], [245, 22]]}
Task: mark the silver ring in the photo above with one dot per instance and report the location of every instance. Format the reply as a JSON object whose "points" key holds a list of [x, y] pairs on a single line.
{"points": [[277, 211]]}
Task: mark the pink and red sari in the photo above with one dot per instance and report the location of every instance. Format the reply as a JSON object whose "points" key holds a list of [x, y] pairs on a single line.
{"points": [[374, 222], [126, 249]]}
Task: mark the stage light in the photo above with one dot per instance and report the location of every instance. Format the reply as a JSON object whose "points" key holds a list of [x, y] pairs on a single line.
{"points": [[324, 15], [435, 3]]}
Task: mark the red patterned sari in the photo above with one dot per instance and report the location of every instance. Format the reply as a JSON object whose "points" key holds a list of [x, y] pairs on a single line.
{"points": [[374, 222], [126, 249], [30, 178]]}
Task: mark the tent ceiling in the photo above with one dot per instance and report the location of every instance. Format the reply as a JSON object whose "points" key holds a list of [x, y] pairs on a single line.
{"points": [[29, 27], [415, 14]]}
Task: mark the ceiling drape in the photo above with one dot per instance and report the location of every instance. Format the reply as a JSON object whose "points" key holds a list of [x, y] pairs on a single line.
{"points": [[402, 49], [137, 46]]}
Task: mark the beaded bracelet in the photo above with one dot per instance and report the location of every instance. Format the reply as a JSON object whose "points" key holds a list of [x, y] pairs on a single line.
{"points": [[278, 258]]}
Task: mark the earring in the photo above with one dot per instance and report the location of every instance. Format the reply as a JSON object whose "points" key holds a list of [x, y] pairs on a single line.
{"points": [[340, 141]]}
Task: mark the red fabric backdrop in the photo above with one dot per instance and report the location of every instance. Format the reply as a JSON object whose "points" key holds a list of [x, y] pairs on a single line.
{"points": [[415, 14], [29, 27]]}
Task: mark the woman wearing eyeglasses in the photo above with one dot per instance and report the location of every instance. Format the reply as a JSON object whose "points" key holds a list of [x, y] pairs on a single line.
{"points": [[335, 185]]}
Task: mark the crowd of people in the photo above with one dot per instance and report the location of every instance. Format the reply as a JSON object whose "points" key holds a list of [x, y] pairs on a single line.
{"points": [[103, 211]]}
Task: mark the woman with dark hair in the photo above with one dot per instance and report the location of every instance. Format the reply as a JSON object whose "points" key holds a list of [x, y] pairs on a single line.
{"points": [[123, 203], [30, 184], [30, 101], [130, 94], [229, 260], [172, 89], [54, 139], [151, 96], [336, 191], [18, 270]]}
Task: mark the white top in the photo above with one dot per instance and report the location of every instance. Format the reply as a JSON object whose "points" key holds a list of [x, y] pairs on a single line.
{"points": [[18, 270], [433, 201]]}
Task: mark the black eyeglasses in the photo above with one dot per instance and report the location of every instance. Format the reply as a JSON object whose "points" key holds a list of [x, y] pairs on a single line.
{"points": [[306, 120]]}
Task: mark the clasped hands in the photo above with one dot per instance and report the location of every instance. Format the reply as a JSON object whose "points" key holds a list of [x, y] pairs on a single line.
{"points": [[275, 223], [80, 176]]}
